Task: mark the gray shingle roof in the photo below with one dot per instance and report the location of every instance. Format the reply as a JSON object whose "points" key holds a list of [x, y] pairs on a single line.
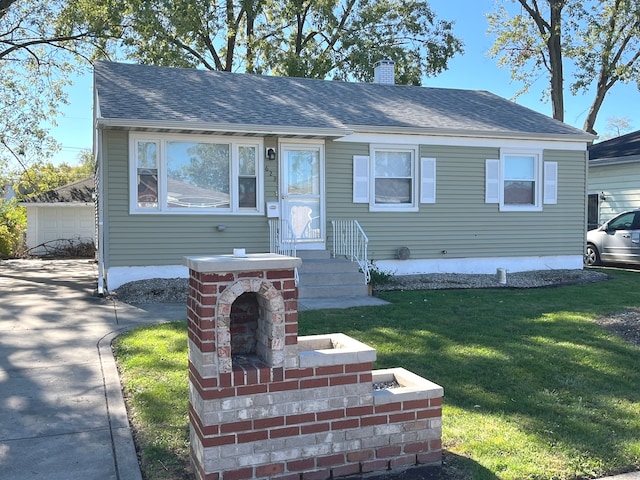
{"points": [[137, 93], [76, 192], [620, 147]]}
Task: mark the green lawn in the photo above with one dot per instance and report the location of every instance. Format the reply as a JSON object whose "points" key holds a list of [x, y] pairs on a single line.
{"points": [[534, 389]]}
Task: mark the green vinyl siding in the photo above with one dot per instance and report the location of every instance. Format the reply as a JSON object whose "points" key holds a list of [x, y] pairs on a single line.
{"points": [[621, 186], [460, 222], [156, 239]]}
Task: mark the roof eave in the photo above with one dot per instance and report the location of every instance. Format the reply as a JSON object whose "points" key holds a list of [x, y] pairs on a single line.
{"points": [[600, 162], [446, 132], [233, 129]]}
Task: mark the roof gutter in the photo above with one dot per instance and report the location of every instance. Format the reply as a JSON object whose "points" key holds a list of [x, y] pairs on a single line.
{"points": [[448, 132], [246, 129]]}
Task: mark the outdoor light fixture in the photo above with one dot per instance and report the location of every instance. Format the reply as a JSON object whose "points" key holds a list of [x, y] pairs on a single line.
{"points": [[603, 197], [221, 228], [271, 154]]}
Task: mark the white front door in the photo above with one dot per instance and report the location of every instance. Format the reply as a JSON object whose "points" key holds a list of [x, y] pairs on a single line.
{"points": [[302, 197]]}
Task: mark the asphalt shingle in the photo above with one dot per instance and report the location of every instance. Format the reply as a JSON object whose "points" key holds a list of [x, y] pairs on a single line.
{"points": [[163, 94]]}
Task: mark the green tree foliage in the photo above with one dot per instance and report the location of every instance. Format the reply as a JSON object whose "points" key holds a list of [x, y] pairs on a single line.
{"points": [[39, 49], [601, 39], [305, 38], [13, 225], [44, 176]]}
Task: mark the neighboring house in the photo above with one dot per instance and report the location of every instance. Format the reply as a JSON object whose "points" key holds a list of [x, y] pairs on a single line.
{"points": [[61, 215], [614, 177], [465, 180]]}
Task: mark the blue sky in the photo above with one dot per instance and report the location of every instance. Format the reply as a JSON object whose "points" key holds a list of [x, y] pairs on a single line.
{"points": [[474, 70]]}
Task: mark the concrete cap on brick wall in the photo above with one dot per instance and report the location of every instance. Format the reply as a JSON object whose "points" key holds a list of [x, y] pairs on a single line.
{"points": [[250, 262]]}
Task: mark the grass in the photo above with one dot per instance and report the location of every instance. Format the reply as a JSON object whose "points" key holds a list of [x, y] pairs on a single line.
{"points": [[534, 388]]}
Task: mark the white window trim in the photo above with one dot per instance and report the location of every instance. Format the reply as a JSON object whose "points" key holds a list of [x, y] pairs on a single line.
{"points": [[538, 169], [162, 209], [410, 207]]}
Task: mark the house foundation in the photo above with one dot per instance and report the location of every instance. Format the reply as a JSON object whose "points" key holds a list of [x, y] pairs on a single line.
{"points": [[266, 403]]}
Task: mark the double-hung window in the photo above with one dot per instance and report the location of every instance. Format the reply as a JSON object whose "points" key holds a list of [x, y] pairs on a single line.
{"points": [[182, 174], [386, 179], [521, 181]]}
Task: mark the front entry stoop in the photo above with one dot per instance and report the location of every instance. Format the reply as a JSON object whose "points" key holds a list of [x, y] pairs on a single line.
{"points": [[321, 276]]}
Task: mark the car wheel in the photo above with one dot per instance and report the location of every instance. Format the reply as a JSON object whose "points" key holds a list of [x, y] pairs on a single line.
{"points": [[591, 256]]}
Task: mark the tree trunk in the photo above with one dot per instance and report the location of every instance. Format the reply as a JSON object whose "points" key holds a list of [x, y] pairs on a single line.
{"points": [[555, 59]]}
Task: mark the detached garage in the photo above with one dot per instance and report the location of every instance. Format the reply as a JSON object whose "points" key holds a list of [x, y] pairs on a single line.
{"points": [[61, 218]]}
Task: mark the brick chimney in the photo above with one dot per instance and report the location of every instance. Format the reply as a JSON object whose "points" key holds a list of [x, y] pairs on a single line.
{"points": [[384, 72]]}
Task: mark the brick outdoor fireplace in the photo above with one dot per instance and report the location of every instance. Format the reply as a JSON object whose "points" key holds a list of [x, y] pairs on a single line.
{"points": [[265, 403]]}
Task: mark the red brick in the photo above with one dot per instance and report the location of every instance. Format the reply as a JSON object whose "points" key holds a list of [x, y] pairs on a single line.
{"points": [[261, 423], [219, 393], [291, 328], [416, 404], [283, 386], [277, 374], [303, 464], [289, 294], [238, 377], [365, 378], [416, 447], [317, 475], [300, 418], [225, 380], [402, 461], [268, 470], [291, 340], [330, 370], [288, 274], [252, 376], [359, 456], [256, 274], [435, 402], [241, 474], [432, 413], [358, 367], [389, 407], [265, 375], [388, 451], [252, 389], [336, 459], [299, 373], [329, 415], [236, 426], [435, 444], [253, 436], [429, 458], [286, 476], [359, 411], [377, 420], [284, 432], [217, 441], [314, 428], [342, 424], [374, 466], [314, 382], [345, 470], [343, 380], [402, 417]]}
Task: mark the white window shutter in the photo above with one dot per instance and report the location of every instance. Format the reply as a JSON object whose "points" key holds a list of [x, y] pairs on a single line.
{"points": [[427, 180], [360, 179], [551, 183], [492, 181]]}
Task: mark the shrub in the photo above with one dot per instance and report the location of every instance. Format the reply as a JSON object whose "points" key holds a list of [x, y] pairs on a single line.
{"points": [[13, 225]]}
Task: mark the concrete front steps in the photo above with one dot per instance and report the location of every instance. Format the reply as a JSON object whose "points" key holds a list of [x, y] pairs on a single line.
{"points": [[321, 276]]}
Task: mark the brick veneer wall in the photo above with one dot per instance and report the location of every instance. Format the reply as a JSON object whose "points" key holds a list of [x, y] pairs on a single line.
{"points": [[265, 416]]}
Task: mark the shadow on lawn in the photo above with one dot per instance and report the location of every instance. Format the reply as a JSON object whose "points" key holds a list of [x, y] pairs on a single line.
{"points": [[534, 358]]}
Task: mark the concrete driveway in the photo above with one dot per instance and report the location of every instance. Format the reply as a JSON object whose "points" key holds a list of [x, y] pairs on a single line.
{"points": [[61, 409]]}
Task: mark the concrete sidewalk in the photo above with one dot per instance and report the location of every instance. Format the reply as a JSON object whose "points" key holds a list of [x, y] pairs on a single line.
{"points": [[62, 415]]}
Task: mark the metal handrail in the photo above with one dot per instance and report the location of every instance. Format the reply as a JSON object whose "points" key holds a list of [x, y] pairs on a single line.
{"points": [[282, 239], [350, 240]]}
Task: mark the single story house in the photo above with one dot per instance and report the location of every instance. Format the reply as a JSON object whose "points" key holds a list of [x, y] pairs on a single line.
{"points": [[62, 215], [195, 162], [614, 177]]}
